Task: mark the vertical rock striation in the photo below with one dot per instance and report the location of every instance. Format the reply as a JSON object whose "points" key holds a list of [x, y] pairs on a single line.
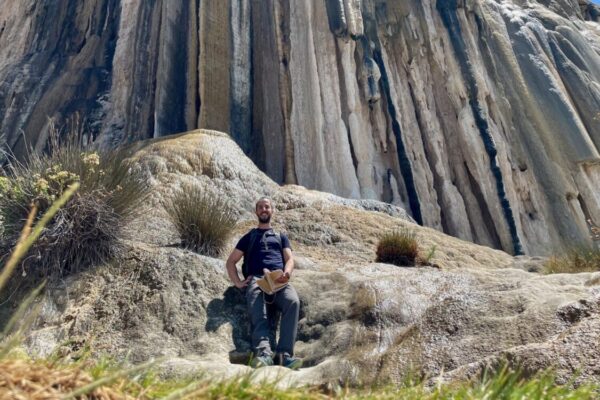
{"points": [[480, 117], [448, 13], [55, 61]]}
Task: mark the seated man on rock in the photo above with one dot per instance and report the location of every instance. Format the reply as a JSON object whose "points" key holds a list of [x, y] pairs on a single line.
{"points": [[266, 250]]}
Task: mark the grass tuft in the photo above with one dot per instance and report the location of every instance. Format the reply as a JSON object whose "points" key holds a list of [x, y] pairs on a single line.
{"points": [[398, 247], [582, 258], [203, 219], [85, 231]]}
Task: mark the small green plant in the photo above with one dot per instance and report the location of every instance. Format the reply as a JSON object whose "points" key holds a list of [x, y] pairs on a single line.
{"points": [[203, 219], [87, 230], [430, 254], [398, 247]]}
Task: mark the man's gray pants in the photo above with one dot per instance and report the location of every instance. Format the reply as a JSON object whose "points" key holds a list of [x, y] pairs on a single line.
{"points": [[287, 302]]}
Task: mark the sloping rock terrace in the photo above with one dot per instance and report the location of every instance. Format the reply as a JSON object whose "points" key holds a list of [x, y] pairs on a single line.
{"points": [[360, 321]]}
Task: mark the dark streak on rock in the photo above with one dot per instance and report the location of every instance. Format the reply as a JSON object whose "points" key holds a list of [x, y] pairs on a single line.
{"points": [[171, 113], [336, 17], [403, 159], [447, 10], [240, 113]]}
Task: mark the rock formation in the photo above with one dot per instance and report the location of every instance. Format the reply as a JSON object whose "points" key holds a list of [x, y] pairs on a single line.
{"points": [[480, 117], [361, 322]]}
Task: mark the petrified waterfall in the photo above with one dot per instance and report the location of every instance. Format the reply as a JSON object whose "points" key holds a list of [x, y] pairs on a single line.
{"points": [[480, 117]]}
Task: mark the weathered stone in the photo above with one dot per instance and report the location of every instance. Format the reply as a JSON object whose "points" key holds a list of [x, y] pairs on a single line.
{"points": [[360, 321]]}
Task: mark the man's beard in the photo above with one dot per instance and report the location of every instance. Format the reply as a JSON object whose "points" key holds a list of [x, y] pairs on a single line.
{"points": [[264, 220]]}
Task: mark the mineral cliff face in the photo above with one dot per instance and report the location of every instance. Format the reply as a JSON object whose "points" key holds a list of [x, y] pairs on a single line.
{"points": [[480, 117]]}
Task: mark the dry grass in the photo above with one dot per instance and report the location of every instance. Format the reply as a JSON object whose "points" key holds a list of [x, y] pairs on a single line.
{"points": [[22, 379], [363, 305], [580, 258], [576, 259], [398, 247], [204, 220]]}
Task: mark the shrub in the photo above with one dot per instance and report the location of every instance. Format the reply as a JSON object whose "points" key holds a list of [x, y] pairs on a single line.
{"points": [[398, 247], [204, 220], [582, 258], [88, 229]]}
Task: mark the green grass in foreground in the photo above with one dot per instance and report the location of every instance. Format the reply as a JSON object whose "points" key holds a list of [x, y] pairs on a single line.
{"points": [[506, 385], [503, 385]]}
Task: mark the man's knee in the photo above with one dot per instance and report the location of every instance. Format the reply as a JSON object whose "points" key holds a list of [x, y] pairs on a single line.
{"points": [[253, 296], [292, 302]]}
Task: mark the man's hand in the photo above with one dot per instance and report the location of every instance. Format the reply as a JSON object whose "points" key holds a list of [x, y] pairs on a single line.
{"points": [[244, 283], [283, 278]]}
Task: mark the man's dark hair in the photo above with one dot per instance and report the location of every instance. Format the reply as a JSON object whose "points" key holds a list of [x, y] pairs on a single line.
{"points": [[263, 199]]}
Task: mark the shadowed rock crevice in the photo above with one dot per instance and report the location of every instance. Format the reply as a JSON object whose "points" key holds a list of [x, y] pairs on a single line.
{"points": [[173, 68], [405, 164], [241, 74], [485, 213]]}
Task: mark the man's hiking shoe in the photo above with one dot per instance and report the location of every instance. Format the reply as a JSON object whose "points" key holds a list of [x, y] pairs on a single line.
{"points": [[289, 362], [261, 361]]}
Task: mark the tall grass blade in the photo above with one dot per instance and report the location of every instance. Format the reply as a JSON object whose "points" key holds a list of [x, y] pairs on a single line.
{"points": [[17, 337], [18, 314], [25, 232]]}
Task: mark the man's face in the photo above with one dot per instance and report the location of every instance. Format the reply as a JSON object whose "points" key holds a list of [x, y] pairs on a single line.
{"points": [[264, 211]]}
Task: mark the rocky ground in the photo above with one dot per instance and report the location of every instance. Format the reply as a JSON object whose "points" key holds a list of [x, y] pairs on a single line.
{"points": [[361, 321]]}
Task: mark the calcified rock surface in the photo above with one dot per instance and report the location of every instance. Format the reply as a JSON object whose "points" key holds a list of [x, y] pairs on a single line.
{"points": [[477, 116], [361, 322]]}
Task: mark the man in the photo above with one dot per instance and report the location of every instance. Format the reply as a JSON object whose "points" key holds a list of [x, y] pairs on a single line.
{"points": [[263, 250]]}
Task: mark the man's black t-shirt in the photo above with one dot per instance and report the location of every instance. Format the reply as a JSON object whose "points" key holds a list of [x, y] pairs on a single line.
{"points": [[265, 253]]}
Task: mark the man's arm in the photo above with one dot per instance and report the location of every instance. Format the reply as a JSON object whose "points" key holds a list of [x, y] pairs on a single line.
{"points": [[234, 257], [288, 258], [288, 268]]}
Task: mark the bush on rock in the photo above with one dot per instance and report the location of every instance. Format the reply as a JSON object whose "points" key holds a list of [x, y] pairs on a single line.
{"points": [[398, 247], [203, 219], [88, 229]]}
